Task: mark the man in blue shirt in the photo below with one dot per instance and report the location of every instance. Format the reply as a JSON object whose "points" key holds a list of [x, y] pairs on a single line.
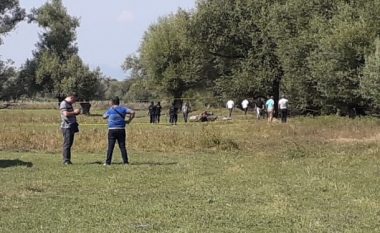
{"points": [[116, 129]]}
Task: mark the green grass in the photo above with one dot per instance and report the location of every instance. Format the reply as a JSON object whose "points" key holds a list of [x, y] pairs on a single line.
{"points": [[312, 175]]}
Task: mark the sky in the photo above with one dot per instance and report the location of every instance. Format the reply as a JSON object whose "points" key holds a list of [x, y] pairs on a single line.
{"points": [[109, 30]]}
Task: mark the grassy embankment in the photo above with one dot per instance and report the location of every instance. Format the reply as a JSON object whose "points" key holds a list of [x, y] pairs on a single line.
{"points": [[311, 175]]}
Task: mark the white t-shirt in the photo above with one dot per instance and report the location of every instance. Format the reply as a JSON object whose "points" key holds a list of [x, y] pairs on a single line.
{"points": [[230, 104], [244, 104], [283, 103]]}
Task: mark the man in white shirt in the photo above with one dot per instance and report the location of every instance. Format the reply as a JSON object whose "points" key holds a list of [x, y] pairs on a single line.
{"points": [[283, 106], [230, 107], [244, 105]]}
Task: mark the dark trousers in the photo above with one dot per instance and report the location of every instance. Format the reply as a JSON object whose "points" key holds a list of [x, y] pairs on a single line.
{"points": [[245, 111], [68, 140], [158, 118], [173, 119], [230, 112], [152, 118], [118, 135], [284, 115], [185, 116]]}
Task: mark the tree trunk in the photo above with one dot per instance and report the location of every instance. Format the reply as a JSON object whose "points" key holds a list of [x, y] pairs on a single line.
{"points": [[85, 108]]}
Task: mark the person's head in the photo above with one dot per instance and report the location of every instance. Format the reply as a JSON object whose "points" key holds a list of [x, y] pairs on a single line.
{"points": [[115, 101], [271, 96], [283, 96], [158, 103], [72, 97], [152, 103]]}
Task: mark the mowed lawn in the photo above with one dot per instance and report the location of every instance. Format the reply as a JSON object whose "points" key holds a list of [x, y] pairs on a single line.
{"points": [[307, 184]]}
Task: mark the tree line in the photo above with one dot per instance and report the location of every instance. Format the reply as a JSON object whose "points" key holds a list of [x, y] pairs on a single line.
{"points": [[56, 68], [324, 55]]}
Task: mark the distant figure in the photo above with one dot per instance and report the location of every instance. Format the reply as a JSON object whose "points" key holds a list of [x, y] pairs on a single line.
{"points": [[173, 111], [69, 125], [158, 113], [116, 129], [185, 111], [152, 112], [259, 108], [230, 106], [270, 108], [283, 106], [244, 105]]}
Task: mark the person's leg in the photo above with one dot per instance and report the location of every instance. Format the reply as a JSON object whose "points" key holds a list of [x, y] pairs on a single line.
{"points": [[284, 115], [111, 145], [158, 118], [230, 112], [151, 118], [68, 140], [245, 111], [175, 119], [121, 138]]}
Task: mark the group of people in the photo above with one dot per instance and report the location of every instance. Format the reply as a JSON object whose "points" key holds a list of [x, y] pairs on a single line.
{"points": [[154, 112], [261, 106], [117, 116]]}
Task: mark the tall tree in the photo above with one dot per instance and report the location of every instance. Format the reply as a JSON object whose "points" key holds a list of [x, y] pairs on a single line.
{"points": [[56, 65]]}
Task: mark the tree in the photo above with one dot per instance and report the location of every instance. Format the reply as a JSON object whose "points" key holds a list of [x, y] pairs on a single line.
{"points": [[57, 68], [370, 81], [10, 15], [169, 58]]}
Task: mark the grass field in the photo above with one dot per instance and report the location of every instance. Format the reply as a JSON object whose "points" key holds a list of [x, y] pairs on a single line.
{"points": [[311, 175]]}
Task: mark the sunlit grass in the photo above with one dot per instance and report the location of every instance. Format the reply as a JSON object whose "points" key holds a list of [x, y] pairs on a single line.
{"points": [[311, 175]]}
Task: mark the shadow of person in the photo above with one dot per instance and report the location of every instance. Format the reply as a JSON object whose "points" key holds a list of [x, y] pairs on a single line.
{"points": [[14, 163], [153, 163]]}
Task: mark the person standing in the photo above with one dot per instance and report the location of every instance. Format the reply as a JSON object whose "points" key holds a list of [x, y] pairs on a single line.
{"points": [[230, 106], [158, 113], [283, 106], [173, 113], [244, 105], [270, 108], [259, 108], [116, 129], [152, 112], [185, 111], [69, 125]]}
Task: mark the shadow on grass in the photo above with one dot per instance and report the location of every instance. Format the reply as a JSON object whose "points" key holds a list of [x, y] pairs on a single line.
{"points": [[138, 163], [14, 163]]}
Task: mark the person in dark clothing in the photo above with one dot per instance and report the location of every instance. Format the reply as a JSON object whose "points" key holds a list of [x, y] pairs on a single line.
{"points": [[69, 125], [259, 108], [158, 113], [173, 113], [152, 112], [116, 129]]}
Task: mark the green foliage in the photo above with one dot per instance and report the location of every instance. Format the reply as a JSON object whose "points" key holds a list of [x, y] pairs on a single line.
{"points": [[56, 68], [10, 15], [370, 82], [314, 52]]}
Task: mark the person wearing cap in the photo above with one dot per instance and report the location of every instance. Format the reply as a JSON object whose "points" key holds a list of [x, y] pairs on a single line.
{"points": [[116, 115], [283, 107], [69, 125]]}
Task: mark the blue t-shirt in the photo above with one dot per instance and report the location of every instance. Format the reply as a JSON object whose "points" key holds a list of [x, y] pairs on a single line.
{"points": [[116, 117], [270, 104]]}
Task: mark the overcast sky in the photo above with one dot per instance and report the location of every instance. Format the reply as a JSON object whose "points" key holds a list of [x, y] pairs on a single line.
{"points": [[109, 30]]}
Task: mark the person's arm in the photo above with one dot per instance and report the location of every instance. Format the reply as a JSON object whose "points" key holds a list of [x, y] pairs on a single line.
{"points": [[106, 115], [69, 114], [131, 116]]}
